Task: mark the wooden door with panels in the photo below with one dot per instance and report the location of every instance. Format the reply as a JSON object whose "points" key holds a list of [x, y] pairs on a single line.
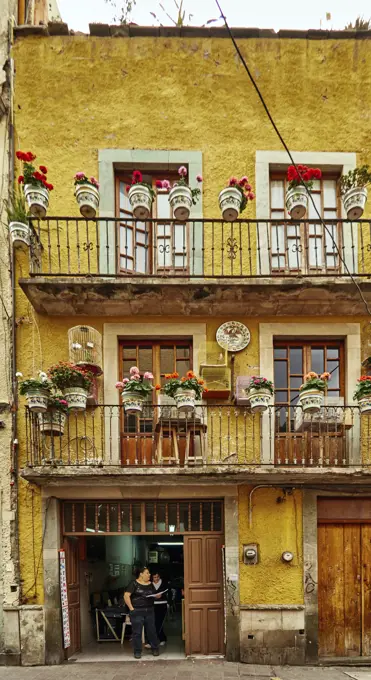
{"points": [[71, 548], [344, 577], [159, 247], [317, 439], [204, 607], [303, 247], [140, 434]]}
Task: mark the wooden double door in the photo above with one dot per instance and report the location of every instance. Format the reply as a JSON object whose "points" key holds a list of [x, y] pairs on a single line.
{"points": [[344, 588]]}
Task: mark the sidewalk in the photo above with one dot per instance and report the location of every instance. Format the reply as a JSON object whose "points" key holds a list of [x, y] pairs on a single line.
{"points": [[182, 670]]}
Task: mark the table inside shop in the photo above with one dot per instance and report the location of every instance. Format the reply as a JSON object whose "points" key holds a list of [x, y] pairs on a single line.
{"points": [[112, 619]]}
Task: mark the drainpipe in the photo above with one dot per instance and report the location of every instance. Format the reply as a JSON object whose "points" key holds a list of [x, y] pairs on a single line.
{"points": [[21, 12]]}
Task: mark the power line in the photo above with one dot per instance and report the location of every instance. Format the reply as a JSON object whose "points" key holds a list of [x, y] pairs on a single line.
{"points": [[291, 158]]}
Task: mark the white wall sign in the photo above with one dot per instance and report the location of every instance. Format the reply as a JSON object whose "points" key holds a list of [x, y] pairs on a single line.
{"points": [[64, 599]]}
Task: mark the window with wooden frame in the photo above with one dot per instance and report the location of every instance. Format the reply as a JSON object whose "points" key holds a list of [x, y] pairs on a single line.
{"points": [[292, 360], [150, 247], [300, 246]]}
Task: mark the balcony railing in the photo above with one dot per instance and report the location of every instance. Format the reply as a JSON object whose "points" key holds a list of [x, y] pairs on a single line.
{"points": [[209, 249], [212, 437]]}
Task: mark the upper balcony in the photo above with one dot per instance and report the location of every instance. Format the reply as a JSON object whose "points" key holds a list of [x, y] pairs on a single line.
{"points": [[202, 267], [283, 445]]}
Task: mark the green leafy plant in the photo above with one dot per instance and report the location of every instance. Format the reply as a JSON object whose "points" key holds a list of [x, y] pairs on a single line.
{"points": [[136, 383], [313, 381], [40, 383], [259, 383], [355, 179], [16, 208], [181, 182], [81, 178], [244, 188], [187, 382], [64, 375], [363, 388], [56, 403]]}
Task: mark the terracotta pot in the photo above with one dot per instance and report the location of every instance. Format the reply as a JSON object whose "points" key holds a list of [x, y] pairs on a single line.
{"points": [[140, 199], [180, 199], [354, 201], [311, 401], [37, 199], [19, 235], [87, 198], [230, 203]]}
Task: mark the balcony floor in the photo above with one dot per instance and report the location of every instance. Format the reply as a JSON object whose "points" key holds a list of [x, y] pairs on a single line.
{"points": [[154, 296]]}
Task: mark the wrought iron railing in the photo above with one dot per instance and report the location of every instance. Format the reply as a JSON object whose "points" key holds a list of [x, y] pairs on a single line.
{"points": [[211, 437], [211, 249]]}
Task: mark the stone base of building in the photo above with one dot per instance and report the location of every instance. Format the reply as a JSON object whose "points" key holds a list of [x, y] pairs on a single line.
{"points": [[24, 636], [273, 635]]}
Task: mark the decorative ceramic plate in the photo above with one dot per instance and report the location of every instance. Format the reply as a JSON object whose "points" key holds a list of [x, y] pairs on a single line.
{"points": [[233, 336]]}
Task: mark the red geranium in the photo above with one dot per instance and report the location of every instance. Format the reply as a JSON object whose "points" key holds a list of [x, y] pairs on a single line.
{"points": [[137, 176], [43, 169], [158, 183], [128, 187], [20, 179], [301, 173]]}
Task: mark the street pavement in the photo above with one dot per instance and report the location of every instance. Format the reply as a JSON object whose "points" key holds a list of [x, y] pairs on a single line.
{"points": [[182, 670]]}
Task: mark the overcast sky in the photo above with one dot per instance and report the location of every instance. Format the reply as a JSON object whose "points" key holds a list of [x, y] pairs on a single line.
{"points": [[263, 14]]}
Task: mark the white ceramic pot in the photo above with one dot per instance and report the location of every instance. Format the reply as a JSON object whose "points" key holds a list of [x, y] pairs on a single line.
{"points": [[52, 422], [20, 235], [133, 402], [185, 400], [180, 199], [140, 199], [354, 201], [230, 203], [37, 199], [37, 400], [365, 405], [259, 399], [297, 202], [76, 398], [311, 401], [87, 198]]}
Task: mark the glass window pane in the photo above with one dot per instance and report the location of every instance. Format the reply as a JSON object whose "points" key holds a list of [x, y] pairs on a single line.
{"points": [[183, 517], [217, 516], [333, 352], [329, 193], [280, 352], [141, 264], [195, 516], [164, 253], [277, 193], [311, 211], [161, 516], [124, 513], [317, 359], [278, 238], [180, 237], [124, 200], [206, 516], [67, 516], [150, 513], [183, 366], [315, 252], [163, 205], [129, 352], [172, 515], [102, 517], [136, 514], [295, 382], [126, 241], [90, 517], [333, 368], [316, 185], [281, 396], [296, 360], [113, 517], [166, 360], [182, 352], [79, 517], [145, 359], [180, 261], [280, 374]]}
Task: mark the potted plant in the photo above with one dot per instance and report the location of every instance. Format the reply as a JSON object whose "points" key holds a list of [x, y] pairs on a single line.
{"points": [[135, 390], [363, 394], [53, 421], [181, 196], [297, 193], [233, 200], [17, 218], [183, 390], [37, 391], [353, 190], [36, 186], [312, 392], [140, 196], [74, 382], [87, 195], [259, 392]]}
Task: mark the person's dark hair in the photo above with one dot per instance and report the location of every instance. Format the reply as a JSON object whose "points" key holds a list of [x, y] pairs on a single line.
{"points": [[139, 571], [156, 573]]}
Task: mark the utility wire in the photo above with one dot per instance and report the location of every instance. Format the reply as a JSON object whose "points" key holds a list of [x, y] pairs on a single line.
{"points": [[291, 158]]}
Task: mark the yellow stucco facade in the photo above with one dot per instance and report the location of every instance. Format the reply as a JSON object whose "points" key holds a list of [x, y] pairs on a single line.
{"points": [[77, 95]]}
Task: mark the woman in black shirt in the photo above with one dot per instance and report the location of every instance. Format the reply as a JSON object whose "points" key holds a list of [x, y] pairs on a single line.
{"points": [[140, 596]]}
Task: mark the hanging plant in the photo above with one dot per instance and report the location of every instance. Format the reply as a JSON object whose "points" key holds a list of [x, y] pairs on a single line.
{"points": [[35, 184]]}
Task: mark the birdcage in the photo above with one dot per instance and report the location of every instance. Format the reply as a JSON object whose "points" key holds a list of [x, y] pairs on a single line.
{"points": [[85, 348], [217, 375]]}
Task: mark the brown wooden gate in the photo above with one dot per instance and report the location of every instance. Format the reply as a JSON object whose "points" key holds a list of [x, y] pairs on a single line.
{"points": [[71, 547], [203, 581], [344, 581]]}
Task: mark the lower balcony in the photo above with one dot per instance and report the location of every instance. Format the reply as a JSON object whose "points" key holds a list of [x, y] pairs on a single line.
{"points": [[283, 444]]}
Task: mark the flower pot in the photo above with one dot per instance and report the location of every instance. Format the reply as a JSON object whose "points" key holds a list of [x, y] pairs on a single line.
{"points": [[311, 401], [140, 200], [52, 422], [259, 399], [87, 198], [76, 398], [230, 203], [297, 202], [354, 201], [185, 400], [20, 235], [133, 402], [180, 199], [37, 199], [37, 400], [365, 405]]}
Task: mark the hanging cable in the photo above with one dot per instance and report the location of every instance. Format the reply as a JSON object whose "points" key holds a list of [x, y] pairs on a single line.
{"points": [[291, 158]]}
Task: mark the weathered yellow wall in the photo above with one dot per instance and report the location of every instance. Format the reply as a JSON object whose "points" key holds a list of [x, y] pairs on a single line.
{"points": [[76, 95]]}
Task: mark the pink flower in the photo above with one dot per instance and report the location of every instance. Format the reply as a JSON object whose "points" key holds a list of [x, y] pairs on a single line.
{"points": [[95, 182], [166, 184], [134, 369], [199, 178], [182, 171], [125, 380], [80, 175], [233, 181], [251, 196], [119, 385], [148, 376], [248, 187], [135, 376], [63, 402], [244, 180]]}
